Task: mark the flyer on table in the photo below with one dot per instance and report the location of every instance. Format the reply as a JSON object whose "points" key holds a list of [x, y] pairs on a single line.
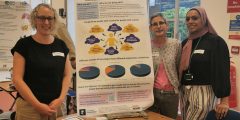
{"points": [[114, 59]]}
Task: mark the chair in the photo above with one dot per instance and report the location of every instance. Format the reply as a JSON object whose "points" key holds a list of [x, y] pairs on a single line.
{"points": [[231, 115], [9, 88]]}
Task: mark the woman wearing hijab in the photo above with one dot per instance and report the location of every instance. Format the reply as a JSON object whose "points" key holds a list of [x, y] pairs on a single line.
{"points": [[204, 69]]}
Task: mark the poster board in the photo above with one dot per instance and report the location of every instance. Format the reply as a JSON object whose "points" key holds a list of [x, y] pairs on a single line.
{"points": [[114, 59], [14, 24]]}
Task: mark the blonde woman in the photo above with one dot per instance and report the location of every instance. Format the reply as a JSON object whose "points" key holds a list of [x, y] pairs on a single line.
{"points": [[41, 69]]}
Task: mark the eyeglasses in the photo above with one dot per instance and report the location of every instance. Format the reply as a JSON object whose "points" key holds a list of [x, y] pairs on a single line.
{"points": [[155, 24], [44, 18], [194, 18]]}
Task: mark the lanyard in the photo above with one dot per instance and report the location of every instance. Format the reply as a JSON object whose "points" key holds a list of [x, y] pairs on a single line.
{"points": [[192, 54]]}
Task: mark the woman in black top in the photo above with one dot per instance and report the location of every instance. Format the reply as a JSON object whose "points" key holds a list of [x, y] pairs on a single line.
{"points": [[41, 69], [204, 69]]}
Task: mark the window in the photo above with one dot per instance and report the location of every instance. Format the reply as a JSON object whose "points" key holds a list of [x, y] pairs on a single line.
{"points": [[47, 1], [175, 12]]}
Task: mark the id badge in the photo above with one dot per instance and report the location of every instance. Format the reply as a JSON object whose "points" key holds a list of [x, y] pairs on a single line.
{"points": [[155, 54], [188, 76]]}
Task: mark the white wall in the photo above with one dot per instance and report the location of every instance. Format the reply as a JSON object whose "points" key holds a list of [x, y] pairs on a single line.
{"points": [[68, 6], [56, 4], [217, 13], [34, 3], [71, 19]]}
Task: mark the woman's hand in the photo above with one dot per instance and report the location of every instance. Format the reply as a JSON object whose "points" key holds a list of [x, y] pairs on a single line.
{"points": [[44, 109], [56, 103], [221, 110]]}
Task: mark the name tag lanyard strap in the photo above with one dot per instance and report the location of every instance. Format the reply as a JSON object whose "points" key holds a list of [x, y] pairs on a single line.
{"points": [[192, 54]]}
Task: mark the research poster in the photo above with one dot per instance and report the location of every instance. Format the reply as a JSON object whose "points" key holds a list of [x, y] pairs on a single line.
{"points": [[114, 59], [234, 27], [233, 6], [14, 24]]}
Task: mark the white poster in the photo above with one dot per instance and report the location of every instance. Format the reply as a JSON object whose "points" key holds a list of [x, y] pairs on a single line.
{"points": [[14, 24], [234, 26], [114, 59]]}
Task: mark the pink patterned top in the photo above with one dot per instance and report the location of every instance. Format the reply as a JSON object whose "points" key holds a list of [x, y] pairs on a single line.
{"points": [[162, 81]]}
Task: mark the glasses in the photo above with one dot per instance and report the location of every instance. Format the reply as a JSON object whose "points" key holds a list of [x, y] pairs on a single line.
{"points": [[155, 24], [194, 18], [44, 18]]}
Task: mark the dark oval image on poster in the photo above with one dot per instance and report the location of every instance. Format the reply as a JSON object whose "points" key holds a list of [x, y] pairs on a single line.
{"points": [[140, 70], [89, 72], [115, 71]]}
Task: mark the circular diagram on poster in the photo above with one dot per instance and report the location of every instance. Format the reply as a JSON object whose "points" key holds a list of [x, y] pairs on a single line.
{"points": [[89, 72], [115, 71], [140, 70]]}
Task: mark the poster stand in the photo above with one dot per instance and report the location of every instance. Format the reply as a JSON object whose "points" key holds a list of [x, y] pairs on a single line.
{"points": [[139, 114]]}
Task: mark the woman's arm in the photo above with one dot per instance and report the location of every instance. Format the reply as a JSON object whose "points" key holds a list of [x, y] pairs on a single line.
{"points": [[222, 108], [22, 87], [221, 76]]}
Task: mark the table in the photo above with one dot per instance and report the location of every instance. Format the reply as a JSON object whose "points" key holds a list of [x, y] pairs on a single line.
{"points": [[5, 86], [151, 116]]}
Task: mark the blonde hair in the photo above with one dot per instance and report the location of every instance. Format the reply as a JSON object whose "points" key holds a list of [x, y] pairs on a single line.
{"points": [[35, 11]]}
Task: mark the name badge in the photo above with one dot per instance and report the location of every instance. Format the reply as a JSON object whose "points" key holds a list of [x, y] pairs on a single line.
{"points": [[58, 54], [155, 54], [199, 51]]}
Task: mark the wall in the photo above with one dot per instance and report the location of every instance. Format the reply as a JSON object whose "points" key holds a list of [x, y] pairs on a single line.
{"points": [[34, 3], [217, 13], [69, 20], [59, 4]]}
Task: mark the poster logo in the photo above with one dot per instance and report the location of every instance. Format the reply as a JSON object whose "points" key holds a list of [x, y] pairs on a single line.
{"points": [[82, 111]]}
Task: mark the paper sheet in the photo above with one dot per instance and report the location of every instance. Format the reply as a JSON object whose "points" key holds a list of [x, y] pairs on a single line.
{"points": [[5, 76]]}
